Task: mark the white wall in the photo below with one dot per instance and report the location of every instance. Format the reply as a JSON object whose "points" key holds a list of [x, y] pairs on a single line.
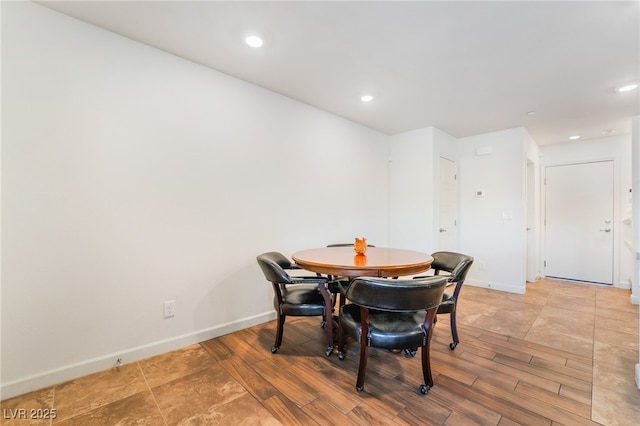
{"points": [[411, 190], [533, 209], [492, 228], [618, 149], [131, 177], [498, 245], [413, 174], [445, 146]]}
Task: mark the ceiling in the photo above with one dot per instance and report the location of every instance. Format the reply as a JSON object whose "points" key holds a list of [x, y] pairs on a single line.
{"points": [[466, 68]]}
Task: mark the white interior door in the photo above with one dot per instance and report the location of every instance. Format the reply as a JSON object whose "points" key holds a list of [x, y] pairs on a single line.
{"points": [[448, 205], [579, 222]]}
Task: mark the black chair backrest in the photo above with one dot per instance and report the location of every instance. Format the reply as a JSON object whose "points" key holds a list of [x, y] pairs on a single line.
{"points": [[397, 295], [456, 264], [273, 266]]}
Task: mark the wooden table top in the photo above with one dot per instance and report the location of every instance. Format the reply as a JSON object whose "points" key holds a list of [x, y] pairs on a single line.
{"points": [[376, 262]]}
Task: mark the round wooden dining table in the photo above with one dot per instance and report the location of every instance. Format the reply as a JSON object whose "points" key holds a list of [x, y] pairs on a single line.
{"points": [[375, 262]]}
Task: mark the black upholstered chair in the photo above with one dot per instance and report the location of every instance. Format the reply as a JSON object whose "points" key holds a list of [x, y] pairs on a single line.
{"points": [[455, 266], [296, 295], [391, 313]]}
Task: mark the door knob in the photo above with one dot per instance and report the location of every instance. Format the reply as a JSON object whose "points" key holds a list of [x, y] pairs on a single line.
{"points": [[443, 230], [606, 229]]}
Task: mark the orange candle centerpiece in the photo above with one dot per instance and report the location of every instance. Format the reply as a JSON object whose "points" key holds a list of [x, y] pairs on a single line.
{"points": [[360, 246]]}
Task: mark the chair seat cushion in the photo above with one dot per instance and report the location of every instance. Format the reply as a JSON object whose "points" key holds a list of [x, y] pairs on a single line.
{"points": [[302, 300], [386, 329], [448, 304]]}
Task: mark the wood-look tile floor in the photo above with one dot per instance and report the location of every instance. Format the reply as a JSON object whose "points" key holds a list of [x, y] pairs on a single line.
{"points": [[562, 353]]}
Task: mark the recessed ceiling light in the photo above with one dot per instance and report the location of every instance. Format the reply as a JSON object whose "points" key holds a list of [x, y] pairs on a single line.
{"points": [[253, 41], [627, 87], [531, 113], [574, 137], [608, 132], [366, 98]]}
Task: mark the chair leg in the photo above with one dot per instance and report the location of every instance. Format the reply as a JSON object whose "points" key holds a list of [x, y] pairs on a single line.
{"points": [[341, 301], [426, 370], [362, 366], [429, 325], [341, 354], [279, 332], [328, 318], [454, 331], [364, 332]]}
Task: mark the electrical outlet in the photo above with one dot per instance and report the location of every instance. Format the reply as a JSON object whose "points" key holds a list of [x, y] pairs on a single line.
{"points": [[170, 308]]}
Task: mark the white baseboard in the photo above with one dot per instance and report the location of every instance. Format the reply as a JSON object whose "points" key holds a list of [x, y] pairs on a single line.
{"points": [[624, 285], [497, 286], [106, 361]]}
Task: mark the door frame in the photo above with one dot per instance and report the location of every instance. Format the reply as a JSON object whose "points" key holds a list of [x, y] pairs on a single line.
{"points": [[616, 212], [532, 215]]}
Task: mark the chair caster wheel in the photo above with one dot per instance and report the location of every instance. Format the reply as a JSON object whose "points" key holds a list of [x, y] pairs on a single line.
{"points": [[424, 389], [453, 345], [409, 352], [323, 324], [329, 351], [274, 349], [359, 388], [341, 356]]}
